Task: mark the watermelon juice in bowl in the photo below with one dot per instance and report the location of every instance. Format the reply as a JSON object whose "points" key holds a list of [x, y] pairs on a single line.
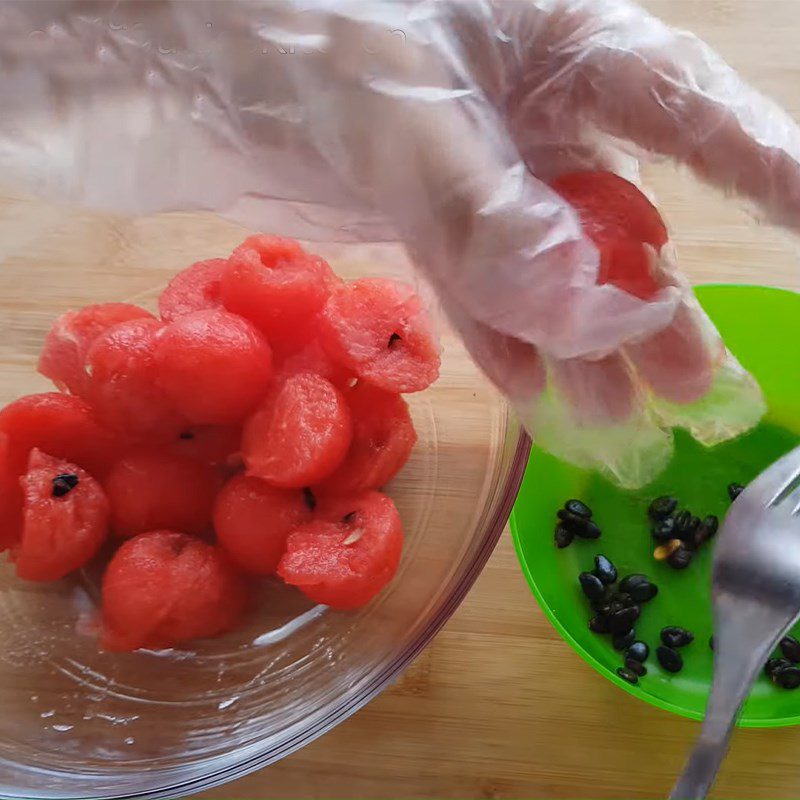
{"points": [[249, 669]]}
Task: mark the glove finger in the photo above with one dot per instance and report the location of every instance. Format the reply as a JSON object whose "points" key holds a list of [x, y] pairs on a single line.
{"points": [[515, 367], [598, 392]]}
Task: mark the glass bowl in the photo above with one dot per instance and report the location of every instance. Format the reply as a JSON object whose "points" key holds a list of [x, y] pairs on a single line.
{"points": [[79, 723]]}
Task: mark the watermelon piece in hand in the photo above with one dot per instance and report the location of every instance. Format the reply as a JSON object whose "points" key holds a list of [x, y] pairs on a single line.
{"points": [[347, 554]]}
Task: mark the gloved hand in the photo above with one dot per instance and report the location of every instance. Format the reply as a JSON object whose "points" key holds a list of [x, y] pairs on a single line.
{"points": [[438, 124]]}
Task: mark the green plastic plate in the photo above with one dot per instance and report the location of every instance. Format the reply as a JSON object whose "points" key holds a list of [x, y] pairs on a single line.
{"points": [[761, 326]]}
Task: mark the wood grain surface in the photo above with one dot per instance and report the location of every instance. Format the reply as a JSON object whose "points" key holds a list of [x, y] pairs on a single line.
{"points": [[498, 705]]}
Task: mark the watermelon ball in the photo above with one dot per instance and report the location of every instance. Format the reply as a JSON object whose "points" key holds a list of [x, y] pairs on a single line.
{"points": [[63, 357], [61, 425], [252, 520], [619, 219], [211, 444], [163, 588], [196, 288], [123, 388], [300, 434], [383, 438], [348, 554], [279, 287], [313, 357], [213, 366], [10, 497], [379, 329], [64, 522], [152, 488]]}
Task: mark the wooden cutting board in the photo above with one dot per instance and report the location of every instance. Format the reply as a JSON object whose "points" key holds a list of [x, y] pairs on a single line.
{"points": [[498, 705]]}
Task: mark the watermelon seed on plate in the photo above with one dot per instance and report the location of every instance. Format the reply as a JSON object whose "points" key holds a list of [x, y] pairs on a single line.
{"points": [[63, 484]]}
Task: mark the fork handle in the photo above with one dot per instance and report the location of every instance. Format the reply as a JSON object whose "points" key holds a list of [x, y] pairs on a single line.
{"points": [[702, 767]]}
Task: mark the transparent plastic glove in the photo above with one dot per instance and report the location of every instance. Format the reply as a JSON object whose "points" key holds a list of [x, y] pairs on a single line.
{"points": [[439, 125]]}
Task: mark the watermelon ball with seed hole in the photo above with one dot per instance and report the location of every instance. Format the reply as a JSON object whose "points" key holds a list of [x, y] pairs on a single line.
{"points": [[152, 488], [63, 357], [64, 521], [213, 366], [300, 435], [10, 497], [379, 329], [348, 553], [252, 520], [196, 288], [164, 588], [279, 287], [123, 387], [211, 444], [383, 438], [61, 425]]}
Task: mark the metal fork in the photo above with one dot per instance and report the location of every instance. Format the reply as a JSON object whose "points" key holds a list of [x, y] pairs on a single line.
{"points": [[756, 599]]}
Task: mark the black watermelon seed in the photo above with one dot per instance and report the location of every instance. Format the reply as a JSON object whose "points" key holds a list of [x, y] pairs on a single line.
{"points": [[604, 569], [64, 483], [673, 636], [682, 521], [669, 659], [563, 537], [788, 678], [664, 529], [602, 606], [571, 520], [621, 600], [622, 641], [186, 435], [590, 530], [578, 508], [680, 558], [790, 648], [622, 621], [309, 499], [734, 490], [627, 675], [636, 667], [644, 592], [638, 651], [662, 507], [592, 586], [630, 581], [599, 624], [347, 519], [395, 337], [711, 525], [775, 665]]}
